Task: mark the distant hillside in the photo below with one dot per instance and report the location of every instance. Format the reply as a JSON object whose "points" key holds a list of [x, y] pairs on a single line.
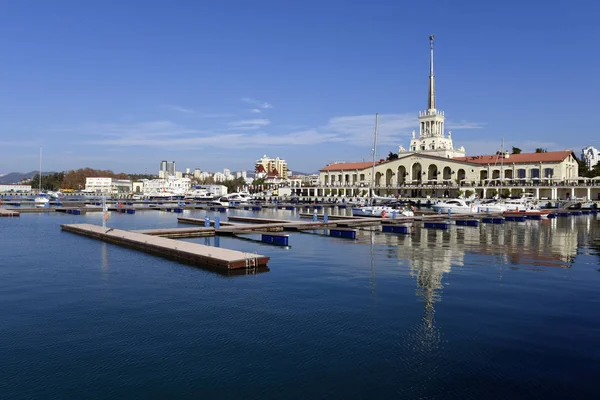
{"points": [[16, 177]]}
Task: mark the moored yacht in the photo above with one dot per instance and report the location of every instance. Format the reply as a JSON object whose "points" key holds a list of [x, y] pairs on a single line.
{"points": [[454, 206], [380, 211]]}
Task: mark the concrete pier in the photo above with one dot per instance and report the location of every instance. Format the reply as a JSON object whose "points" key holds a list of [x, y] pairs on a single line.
{"points": [[193, 253], [8, 213]]}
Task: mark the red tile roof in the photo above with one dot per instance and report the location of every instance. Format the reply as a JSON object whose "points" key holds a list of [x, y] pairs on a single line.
{"points": [[351, 166], [523, 158]]}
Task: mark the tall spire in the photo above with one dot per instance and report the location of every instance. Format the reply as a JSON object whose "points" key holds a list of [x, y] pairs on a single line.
{"points": [[431, 104]]}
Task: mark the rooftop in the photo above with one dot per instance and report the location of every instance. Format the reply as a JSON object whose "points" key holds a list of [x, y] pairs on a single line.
{"points": [[347, 166], [523, 158]]}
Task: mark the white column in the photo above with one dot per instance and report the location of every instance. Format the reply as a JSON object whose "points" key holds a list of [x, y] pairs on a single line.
{"points": [[572, 193], [589, 193], [537, 193]]}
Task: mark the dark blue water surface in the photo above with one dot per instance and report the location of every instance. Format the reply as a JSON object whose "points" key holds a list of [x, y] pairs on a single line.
{"points": [[495, 311]]}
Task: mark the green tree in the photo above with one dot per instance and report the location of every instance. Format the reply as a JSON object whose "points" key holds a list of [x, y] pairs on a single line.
{"points": [[541, 150], [516, 150], [492, 192], [235, 185], [584, 170], [392, 156]]}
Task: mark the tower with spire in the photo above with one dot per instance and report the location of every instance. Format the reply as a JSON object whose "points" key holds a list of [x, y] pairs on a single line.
{"points": [[432, 139]]}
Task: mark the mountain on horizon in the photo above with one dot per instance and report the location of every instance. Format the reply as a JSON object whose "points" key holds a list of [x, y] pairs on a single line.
{"points": [[16, 177]]}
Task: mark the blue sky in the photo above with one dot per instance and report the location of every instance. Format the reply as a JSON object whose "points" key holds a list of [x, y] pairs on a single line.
{"points": [[123, 84]]}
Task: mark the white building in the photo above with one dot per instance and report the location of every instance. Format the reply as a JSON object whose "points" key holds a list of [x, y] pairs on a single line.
{"points": [[107, 185], [432, 139], [171, 184], [214, 190], [16, 188], [590, 156], [219, 177]]}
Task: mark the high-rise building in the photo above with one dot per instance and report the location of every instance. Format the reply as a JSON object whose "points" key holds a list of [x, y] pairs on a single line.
{"points": [[168, 167], [272, 166], [590, 156]]}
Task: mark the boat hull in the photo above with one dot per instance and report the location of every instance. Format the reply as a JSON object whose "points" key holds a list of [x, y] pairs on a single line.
{"points": [[453, 210]]}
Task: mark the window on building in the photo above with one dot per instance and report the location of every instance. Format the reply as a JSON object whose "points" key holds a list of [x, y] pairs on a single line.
{"points": [[521, 173], [548, 172]]}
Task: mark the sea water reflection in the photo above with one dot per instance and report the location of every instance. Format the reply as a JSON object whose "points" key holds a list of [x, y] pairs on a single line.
{"points": [[502, 311]]}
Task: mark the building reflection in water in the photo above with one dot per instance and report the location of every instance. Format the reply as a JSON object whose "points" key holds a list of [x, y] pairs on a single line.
{"points": [[431, 254]]}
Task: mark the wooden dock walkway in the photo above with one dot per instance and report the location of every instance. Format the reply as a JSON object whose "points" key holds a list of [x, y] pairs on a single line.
{"points": [[9, 213], [200, 221], [193, 253], [178, 232]]}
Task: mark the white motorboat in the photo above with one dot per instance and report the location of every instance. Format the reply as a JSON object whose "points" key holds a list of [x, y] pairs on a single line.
{"points": [[522, 204], [222, 201], [42, 200], [454, 206], [380, 212], [238, 197], [199, 195], [490, 206]]}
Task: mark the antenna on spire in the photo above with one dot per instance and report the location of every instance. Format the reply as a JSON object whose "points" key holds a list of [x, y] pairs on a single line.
{"points": [[431, 104]]}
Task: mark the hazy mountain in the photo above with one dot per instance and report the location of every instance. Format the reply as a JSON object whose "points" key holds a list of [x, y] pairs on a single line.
{"points": [[16, 177]]}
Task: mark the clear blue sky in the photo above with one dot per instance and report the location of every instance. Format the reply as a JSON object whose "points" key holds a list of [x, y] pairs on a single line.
{"points": [[123, 84]]}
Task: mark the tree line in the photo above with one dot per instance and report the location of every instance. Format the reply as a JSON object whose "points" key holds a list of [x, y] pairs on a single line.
{"points": [[75, 179]]}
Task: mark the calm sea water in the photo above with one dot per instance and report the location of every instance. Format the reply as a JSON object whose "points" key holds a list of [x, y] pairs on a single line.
{"points": [[507, 311]]}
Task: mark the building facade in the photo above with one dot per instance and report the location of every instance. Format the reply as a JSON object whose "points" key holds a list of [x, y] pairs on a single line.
{"points": [[14, 188], [108, 185], [432, 166]]}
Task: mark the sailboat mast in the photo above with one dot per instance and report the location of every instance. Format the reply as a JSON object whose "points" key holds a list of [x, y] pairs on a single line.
{"points": [[40, 180], [501, 168], [374, 155]]}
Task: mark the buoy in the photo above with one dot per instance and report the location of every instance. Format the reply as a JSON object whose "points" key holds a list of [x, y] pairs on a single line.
{"points": [[106, 216]]}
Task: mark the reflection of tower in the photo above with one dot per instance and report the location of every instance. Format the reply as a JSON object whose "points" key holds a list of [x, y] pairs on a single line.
{"points": [[104, 267], [372, 253]]}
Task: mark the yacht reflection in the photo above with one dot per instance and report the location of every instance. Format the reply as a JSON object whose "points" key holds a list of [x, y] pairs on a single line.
{"points": [[104, 265]]}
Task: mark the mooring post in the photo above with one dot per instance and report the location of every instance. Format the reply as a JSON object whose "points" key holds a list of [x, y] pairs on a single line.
{"points": [[315, 217], [207, 222], [325, 218], [394, 214], [217, 222], [449, 212]]}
